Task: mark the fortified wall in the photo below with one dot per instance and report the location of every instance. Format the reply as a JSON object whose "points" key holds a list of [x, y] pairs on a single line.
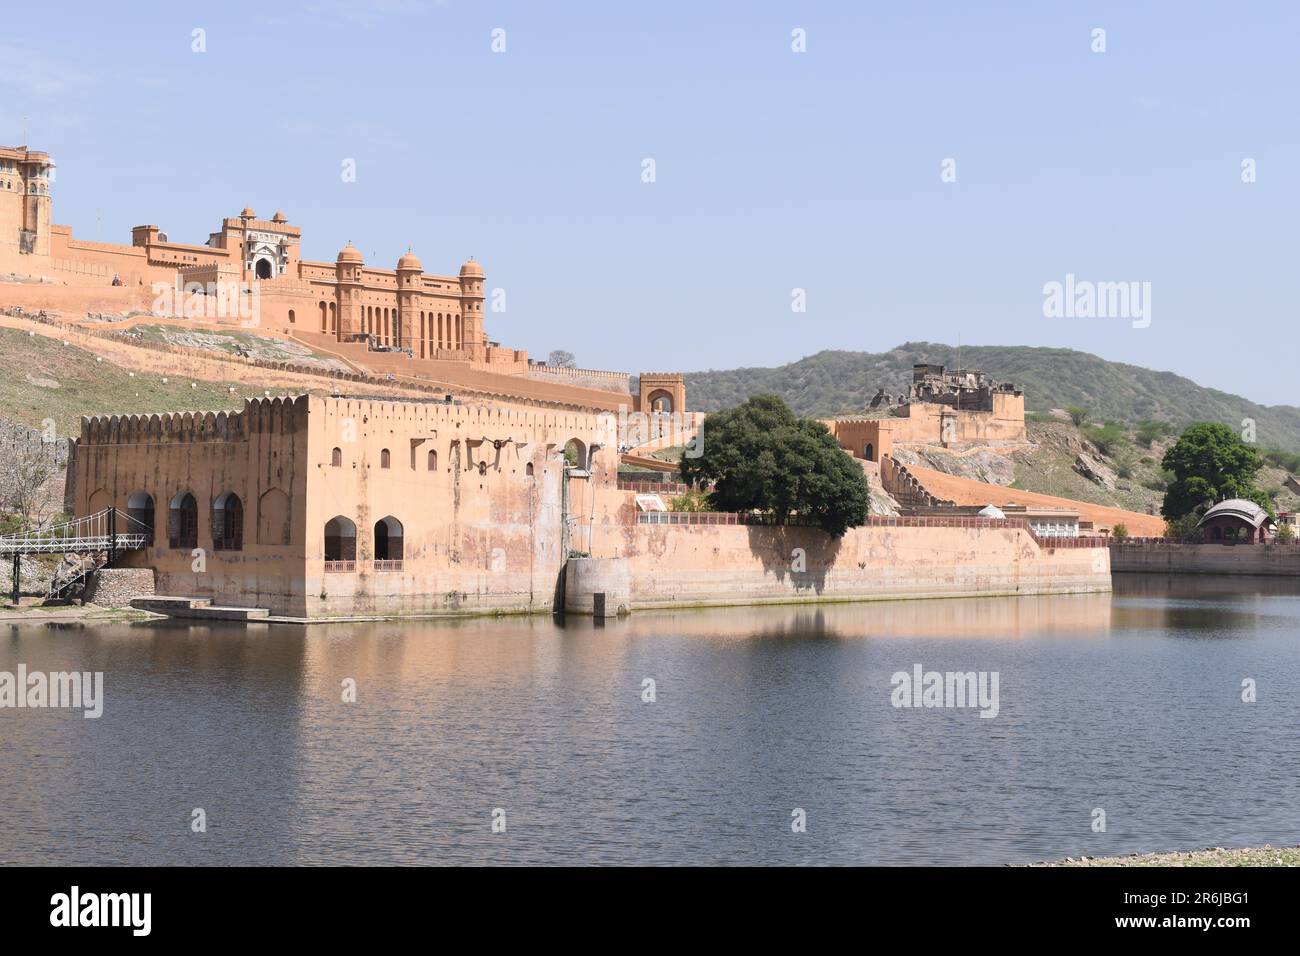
{"points": [[249, 274], [1161, 556], [314, 506], [946, 408], [673, 565]]}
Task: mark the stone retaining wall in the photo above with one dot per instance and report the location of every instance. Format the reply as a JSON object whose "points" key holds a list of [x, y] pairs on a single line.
{"points": [[662, 565], [1174, 557], [114, 587]]}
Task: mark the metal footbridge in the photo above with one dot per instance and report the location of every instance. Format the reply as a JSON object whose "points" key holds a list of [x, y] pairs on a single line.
{"points": [[108, 533]]}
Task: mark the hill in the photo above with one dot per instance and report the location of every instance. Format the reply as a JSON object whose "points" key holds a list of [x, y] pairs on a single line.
{"points": [[833, 383]]}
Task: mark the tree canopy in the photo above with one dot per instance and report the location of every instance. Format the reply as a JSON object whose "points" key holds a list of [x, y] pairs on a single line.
{"points": [[761, 457], [562, 359], [1210, 463]]}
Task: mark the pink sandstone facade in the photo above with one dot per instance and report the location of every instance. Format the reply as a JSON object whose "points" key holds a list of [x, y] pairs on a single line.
{"points": [[332, 507], [435, 316], [250, 273], [328, 507]]}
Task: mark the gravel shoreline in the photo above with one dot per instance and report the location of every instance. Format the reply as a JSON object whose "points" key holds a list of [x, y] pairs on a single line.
{"points": [[1265, 855]]}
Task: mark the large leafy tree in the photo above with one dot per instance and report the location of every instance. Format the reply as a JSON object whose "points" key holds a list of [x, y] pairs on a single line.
{"points": [[1210, 463], [761, 457]]}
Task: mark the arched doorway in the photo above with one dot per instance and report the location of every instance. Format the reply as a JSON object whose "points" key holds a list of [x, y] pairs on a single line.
{"points": [[263, 268], [868, 452], [575, 454], [661, 402], [140, 507], [388, 544], [340, 544]]}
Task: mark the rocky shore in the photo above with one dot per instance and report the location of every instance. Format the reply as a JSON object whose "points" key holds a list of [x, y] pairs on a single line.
{"points": [[1265, 855]]}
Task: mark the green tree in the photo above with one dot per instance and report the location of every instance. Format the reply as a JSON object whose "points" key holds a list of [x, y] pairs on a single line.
{"points": [[1150, 430], [1210, 463], [1077, 414], [759, 456], [1108, 438]]}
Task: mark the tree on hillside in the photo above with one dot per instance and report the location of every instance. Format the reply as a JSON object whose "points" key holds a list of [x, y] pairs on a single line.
{"points": [[1078, 414], [27, 470], [1149, 431], [1210, 463], [562, 359], [761, 457]]}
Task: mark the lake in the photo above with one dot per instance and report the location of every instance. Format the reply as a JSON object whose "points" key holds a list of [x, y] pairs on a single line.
{"points": [[1129, 703]]}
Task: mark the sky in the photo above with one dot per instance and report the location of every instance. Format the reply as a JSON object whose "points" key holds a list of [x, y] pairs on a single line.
{"points": [[519, 133]]}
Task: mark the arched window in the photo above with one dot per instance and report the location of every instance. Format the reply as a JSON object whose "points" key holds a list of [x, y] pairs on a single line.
{"points": [[385, 459], [334, 317], [228, 523], [292, 317], [388, 544], [139, 507], [433, 460], [183, 522], [324, 318], [528, 469], [336, 458], [575, 454], [340, 544]]}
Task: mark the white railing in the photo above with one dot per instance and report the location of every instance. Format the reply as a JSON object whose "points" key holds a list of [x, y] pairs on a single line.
{"points": [[110, 529]]}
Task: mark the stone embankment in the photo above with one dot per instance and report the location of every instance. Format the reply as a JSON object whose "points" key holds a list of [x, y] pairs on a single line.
{"points": [[1163, 556]]}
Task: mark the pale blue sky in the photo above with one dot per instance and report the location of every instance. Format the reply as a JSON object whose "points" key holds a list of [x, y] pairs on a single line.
{"points": [[775, 170]]}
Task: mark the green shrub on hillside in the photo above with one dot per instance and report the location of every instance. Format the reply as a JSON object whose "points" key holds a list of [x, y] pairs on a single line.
{"points": [[1108, 438], [1150, 431]]}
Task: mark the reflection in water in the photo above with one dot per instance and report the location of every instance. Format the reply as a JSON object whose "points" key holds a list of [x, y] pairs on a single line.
{"points": [[1105, 702]]}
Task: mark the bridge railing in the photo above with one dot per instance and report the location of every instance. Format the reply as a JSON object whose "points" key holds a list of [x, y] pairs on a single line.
{"points": [[109, 528]]}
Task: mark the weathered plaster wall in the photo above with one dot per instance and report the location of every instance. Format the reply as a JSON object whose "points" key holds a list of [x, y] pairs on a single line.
{"points": [[479, 531], [732, 564], [207, 454], [1175, 558]]}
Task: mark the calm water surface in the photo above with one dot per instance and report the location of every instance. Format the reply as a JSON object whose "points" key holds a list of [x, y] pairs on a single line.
{"points": [[1129, 702]]}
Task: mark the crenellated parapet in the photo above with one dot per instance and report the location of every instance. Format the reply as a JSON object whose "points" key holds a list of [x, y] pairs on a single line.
{"points": [[259, 415]]}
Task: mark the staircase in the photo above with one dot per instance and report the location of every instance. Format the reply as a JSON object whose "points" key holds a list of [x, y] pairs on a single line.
{"points": [[74, 583], [904, 488], [197, 608]]}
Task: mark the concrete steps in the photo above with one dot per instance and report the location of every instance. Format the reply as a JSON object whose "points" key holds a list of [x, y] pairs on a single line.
{"points": [[197, 608]]}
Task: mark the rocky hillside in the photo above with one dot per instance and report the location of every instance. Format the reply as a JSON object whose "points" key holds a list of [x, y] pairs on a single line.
{"points": [[837, 383], [1113, 466]]}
